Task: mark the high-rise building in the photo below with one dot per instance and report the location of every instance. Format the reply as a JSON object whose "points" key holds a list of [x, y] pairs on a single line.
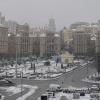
{"points": [[67, 37], [23, 31], [81, 43], [43, 45], [11, 45], [12, 25], [2, 19], [52, 43], [79, 25], [52, 26], [3, 41], [34, 44]]}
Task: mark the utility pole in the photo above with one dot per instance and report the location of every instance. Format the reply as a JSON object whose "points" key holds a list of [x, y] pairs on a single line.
{"points": [[16, 61]]}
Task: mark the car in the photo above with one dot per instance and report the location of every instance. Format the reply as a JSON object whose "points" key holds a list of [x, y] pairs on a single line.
{"points": [[31, 77], [94, 96], [51, 94]]}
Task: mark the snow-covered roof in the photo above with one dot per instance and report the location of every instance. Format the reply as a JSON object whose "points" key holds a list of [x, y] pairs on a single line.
{"points": [[93, 38]]}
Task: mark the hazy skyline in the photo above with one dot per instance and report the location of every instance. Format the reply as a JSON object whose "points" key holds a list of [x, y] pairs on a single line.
{"points": [[38, 12]]}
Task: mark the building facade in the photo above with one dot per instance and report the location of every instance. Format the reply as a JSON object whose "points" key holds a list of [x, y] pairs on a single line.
{"points": [[12, 25], [52, 44], [52, 26], [11, 45], [23, 32], [3, 41], [43, 45], [81, 43]]}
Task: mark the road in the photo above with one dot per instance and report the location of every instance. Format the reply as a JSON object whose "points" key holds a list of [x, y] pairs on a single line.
{"points": [[73, 78]]}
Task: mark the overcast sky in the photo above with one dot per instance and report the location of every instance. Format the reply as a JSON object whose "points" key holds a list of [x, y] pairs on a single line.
{"points": [[37, 12]]}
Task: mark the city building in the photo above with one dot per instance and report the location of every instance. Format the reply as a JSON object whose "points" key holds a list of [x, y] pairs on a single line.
{"points": [[81, 43], [35, 44], [11, 45], [43, 45], [52, 43], [12, 25], [3, 41], [23, 32], [52, 26], [25, 41], [2, 19], [14, 45], [78, 25], [67, 38]]}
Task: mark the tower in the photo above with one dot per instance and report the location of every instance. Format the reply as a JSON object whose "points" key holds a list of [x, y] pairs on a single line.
{"points": [[52, 26]]}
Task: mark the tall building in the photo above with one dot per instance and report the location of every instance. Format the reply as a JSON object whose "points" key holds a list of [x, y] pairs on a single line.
{"points": [[3, 41], [81, 43], [43, 45], [12, 45], [52, 43], [67, 37], [79, 25], [34, 44], [12, 25], [2, 19], [52, 26], [23, 32]]}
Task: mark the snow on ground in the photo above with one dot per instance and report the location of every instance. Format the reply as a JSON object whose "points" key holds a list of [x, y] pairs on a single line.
{"points": [[12, 90], [69, 69], [90, 81], [54, 75], [69, 97], [17, 89], [89, 78], [54, 69], [2, 97], [32, 90]]}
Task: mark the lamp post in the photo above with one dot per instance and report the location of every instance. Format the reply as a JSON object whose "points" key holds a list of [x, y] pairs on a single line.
{"points": [[98, 53], [16, 57]]}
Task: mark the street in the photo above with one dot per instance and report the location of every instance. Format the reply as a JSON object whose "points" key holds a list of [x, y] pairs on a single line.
{"points": [[73, 78]]}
